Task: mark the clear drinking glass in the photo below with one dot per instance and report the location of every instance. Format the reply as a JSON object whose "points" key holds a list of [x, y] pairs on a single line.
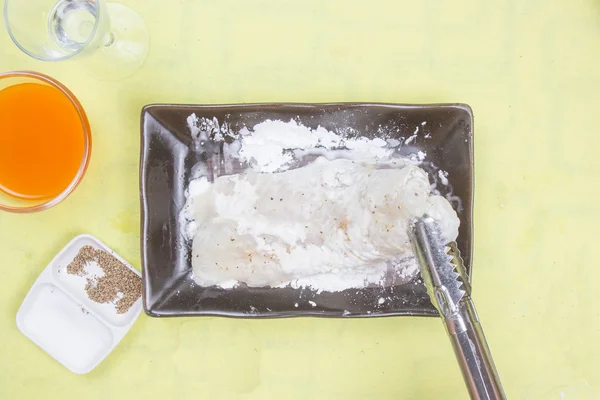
{"points": [[111, 39]]}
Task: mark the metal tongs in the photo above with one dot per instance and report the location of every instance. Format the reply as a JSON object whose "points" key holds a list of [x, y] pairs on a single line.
{"points": [[448, 287]]}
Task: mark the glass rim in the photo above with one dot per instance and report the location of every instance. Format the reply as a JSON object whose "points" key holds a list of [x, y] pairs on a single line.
{"points": [[42, 58], [87, 142]]}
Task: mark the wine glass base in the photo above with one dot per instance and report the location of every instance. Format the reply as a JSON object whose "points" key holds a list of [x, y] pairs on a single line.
{"points": [[124, 49]]}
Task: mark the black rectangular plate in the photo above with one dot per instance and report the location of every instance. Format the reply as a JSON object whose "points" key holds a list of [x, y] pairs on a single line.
{"points": [[167, 159]]}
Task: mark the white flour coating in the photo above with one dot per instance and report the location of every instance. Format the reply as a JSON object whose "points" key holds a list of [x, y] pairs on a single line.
{"points": [[334, 224], [269, 147], [205, 128], [411, 138], [443, 175]]}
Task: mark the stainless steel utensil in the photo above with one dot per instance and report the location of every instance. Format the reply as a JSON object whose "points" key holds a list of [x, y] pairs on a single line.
{"points": [[446, 280]]}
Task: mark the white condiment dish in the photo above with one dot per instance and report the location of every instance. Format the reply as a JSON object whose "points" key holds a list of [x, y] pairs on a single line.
{"points": [[59, 317]]}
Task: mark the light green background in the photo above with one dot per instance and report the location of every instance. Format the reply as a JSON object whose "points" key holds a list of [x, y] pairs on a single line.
{"points": [[530, 71]]}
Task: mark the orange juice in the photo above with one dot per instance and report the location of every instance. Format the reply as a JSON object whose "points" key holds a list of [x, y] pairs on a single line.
{"points": [[42, 141]]}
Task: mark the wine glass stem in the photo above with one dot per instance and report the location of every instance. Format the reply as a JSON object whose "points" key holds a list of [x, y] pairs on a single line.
{"points": [[109, 39]]}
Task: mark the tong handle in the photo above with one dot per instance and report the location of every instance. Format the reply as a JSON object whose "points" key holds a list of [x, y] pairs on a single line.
{"points": [[472, 352]]}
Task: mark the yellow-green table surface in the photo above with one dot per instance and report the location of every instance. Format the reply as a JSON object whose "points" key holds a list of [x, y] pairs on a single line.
{"points": [[529, 69]]}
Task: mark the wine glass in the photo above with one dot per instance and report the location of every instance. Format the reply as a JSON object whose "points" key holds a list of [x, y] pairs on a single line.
{"points": [[110, 38]]}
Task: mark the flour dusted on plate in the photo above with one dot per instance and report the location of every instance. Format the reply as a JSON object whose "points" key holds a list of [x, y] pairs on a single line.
{"points": [[312, 208], [275, 145]]}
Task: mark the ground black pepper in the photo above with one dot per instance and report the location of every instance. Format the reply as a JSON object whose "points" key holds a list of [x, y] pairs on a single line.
{"points": [[119, 285]]}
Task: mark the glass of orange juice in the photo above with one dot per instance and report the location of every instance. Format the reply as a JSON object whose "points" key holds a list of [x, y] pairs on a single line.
{"points": [[45, 142]]}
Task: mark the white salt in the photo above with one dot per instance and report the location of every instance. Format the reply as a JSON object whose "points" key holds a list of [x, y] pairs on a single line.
{"points": [[64, 328]]}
